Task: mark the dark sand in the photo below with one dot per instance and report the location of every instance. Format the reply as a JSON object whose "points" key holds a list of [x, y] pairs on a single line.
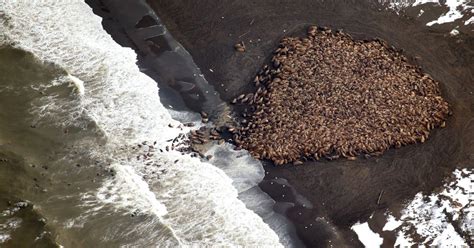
{"points": [[341, 192], [344, 191]]}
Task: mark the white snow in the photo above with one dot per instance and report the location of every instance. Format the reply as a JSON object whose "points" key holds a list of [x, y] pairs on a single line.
{"points": [[391, 224], [469, 21], [429, 217], [457, 9], [366, 235], [440, 219]]}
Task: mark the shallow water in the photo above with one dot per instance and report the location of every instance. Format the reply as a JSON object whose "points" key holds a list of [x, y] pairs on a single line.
{"points": [[75, 107], [84, 133]]}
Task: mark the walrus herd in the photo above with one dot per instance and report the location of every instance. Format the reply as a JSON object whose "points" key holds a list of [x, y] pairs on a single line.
{"points": [[327, 95]]}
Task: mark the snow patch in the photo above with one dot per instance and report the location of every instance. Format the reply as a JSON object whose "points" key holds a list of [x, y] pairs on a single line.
{"points": [[366, 235], [438, 218], [391, 224], [454, 32], [457, 9]]}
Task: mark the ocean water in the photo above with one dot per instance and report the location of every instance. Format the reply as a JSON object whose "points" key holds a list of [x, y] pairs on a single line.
{"points": [[82, 142]]}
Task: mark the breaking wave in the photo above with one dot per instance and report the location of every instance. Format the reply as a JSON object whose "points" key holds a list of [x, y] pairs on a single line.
{"points": [[186, 201]]}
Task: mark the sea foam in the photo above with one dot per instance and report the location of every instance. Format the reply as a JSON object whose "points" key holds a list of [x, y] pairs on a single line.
{"points": [[194, 200]]}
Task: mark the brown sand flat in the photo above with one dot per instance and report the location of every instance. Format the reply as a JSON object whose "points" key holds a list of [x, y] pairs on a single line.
{"points": [[326, 95], [341, 192]]}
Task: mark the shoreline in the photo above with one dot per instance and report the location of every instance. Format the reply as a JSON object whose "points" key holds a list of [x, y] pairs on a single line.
{"points": [[344, 191], [340, 192], [122, 174], [120, 25]]}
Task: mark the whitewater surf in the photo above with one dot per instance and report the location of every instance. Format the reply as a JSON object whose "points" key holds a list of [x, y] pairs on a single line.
{"points": [[92, 131]]}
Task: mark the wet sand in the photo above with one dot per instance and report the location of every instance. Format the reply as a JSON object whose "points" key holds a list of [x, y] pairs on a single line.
{"points": [[340, 192], [344, 191]]}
